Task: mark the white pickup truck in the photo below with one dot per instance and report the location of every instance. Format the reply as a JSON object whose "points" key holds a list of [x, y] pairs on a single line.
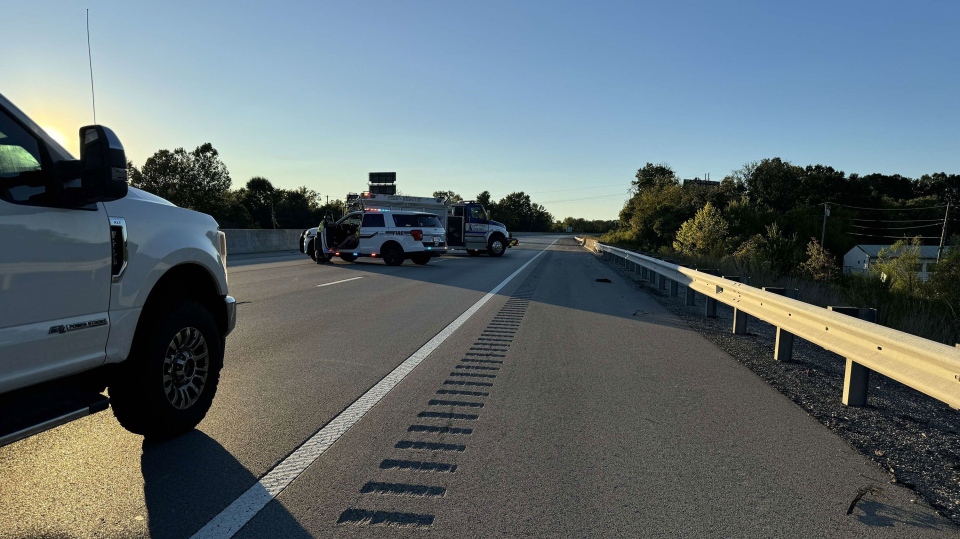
{"points": [[102, 287]]}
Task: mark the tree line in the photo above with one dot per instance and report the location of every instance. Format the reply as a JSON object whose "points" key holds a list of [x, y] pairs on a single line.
{"points": [[783, 204], [199, 180], [520, 214], [768, 217]]}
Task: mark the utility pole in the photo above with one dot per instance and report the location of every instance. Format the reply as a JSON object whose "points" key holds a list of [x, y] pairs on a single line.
{"points": [[823, 233], [943, 233]]}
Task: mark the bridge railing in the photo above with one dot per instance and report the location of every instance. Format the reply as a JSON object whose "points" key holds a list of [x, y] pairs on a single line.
{"points": [[927, 366]]}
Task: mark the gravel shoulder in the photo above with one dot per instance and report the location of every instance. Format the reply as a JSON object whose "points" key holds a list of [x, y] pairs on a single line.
{"points": [[913, 439]]}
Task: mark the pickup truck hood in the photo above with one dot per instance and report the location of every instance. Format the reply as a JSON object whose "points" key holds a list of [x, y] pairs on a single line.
{"points": [[133, 192]]}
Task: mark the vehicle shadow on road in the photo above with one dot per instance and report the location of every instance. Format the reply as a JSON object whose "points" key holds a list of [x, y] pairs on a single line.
{"points": [[188, 480]]}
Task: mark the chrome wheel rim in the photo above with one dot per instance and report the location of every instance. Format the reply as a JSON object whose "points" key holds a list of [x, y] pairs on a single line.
{"points": [[497, 246], [186, 365]]}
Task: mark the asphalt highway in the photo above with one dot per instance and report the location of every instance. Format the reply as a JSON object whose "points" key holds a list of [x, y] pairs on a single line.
{"points": [[360, 400]]}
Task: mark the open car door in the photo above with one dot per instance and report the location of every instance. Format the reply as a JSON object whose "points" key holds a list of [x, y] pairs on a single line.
{"points": [[455, 227], [348, 232]]}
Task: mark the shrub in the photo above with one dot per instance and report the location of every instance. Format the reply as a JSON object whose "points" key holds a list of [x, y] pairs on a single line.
{"points": [[705, 234]]}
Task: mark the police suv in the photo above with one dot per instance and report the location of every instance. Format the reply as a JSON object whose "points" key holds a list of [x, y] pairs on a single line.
{"points": [[392, 235]]}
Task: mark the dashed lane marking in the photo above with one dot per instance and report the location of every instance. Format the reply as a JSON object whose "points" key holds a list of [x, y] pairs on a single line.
{"points": [[338, 282], [237, 514]]}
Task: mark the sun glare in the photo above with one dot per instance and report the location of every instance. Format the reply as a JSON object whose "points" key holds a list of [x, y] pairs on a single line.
{"points": [[55, 135]]}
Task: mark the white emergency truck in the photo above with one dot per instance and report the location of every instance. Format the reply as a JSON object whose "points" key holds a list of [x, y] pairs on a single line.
{"points": [[102, 286], [467, 224]]}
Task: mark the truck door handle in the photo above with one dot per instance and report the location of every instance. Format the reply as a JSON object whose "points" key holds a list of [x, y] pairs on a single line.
{"points": [[118, 248]]}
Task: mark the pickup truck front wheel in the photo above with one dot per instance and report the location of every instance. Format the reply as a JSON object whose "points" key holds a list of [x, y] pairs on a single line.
{"points": [[167, 385]]}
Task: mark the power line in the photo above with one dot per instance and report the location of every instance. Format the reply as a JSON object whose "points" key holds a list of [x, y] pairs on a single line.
{"points": [[937, 224], [887, 209], [899, 221], [905, 236]]}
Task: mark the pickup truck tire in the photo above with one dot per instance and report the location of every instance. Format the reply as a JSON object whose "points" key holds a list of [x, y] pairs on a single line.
{"points": [[497, 245], [392, 253], [420, 258], [167, 385], [348, 257], [311, 251]]}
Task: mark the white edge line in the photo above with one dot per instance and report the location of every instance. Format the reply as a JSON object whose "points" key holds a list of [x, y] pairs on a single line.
{"points": [[243, 509], [338, 282]]}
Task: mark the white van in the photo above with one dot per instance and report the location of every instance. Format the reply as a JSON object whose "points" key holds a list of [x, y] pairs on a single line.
{"points": [[394, 236]]}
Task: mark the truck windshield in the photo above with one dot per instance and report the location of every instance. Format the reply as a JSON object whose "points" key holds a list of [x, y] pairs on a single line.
{"points": [[425, 220]]}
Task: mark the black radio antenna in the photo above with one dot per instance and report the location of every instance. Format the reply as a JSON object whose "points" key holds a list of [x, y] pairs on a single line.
{"points": [[93, 96]]}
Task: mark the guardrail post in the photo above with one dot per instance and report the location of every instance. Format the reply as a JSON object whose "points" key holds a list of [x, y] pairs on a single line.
{"points": [[783, 349], [710, 305], [739, 317], [663, 281], [674, 288], [856, 378], [691, 297]]}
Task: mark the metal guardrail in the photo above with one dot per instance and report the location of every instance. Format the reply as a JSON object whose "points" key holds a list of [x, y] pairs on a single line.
{"points": [[927, 366]]}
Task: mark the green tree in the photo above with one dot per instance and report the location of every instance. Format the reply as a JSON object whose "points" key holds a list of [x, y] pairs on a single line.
{"points": [[260, 198], [819, 184], [820, 265], [448, 195], [294, 209], [484, 198], [652, 175], [234, 213], [519, 213], [197, 180], [770, 251], [581, 225], [946, 187], [899, 266], [744, 218], [706, 233], [656, 214], [944, 278], [772, 184]]}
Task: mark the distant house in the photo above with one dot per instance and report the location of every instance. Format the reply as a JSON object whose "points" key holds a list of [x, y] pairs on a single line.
{"points": [[701, 183], [858, 259]]}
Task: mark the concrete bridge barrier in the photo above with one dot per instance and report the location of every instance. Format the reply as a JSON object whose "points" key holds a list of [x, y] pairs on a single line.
{"points": [[253, 240]]}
